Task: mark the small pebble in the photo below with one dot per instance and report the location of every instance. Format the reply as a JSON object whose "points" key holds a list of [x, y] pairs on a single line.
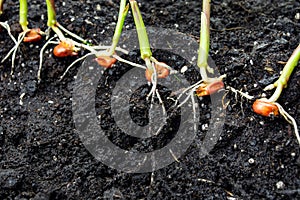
{"points": [[54, 158], [293, 154], [183, 69], [280, 185], [98, 7], [251, 161], [297, 16], [235, 146], [204, 127]]}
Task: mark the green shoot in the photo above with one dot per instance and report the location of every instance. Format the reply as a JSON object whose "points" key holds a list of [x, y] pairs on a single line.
{"points": [[209, 85], [120, 23], [23, 15], [285, 75], [66, 46], [51, 13], [105, 58], [141, 31], [154, 69], [32, 35], [204, 39], [269, 107]]}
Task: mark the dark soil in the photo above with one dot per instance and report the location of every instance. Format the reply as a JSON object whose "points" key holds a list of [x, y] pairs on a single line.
{"points": [[42, 156]]}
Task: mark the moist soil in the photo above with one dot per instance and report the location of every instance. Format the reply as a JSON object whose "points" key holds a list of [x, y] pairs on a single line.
{"points": [[43, 157]]}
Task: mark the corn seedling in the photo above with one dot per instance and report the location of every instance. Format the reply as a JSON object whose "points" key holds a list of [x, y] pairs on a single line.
{"points": [[69, 47], [104, 58], [28, 35], [206, 86], [154, 68], [268, 107], [31, 35], [106, 55], [66, 47]]}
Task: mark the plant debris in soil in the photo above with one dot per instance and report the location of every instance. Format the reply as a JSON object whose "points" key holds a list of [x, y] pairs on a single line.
{"points": [[42, 156]]}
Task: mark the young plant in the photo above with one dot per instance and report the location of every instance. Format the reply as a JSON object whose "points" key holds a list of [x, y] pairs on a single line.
{"points": [[106, 55], [31, 35], [268, 107], [66, 47], [105, 58], [28, 35], [208, 85], [155, 69]]}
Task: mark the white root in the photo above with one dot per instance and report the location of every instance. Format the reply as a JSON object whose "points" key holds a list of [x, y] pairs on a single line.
{"points": [[192, 88], [194, 113], [289, 119], [243, 94], [190, 95], [154, 84], [161, 102], [173, 155], [128, 62], [6, 26], [236, 92], [108, 47], [172, 71], [11, 50], [20, 39], [71, 34], [50, 41], [21, 98], [269, 87], [73, 63], [115, 56]]}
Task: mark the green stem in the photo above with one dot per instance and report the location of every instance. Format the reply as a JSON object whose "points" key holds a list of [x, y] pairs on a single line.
{"points": [[141, 31], [51, 13], [286, 73], [23, 14], [121, 18], [204, 39], [1, 6], [52, 19]]}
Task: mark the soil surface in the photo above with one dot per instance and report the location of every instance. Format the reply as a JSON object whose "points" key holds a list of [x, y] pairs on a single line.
{"points": [[43, 157]]}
